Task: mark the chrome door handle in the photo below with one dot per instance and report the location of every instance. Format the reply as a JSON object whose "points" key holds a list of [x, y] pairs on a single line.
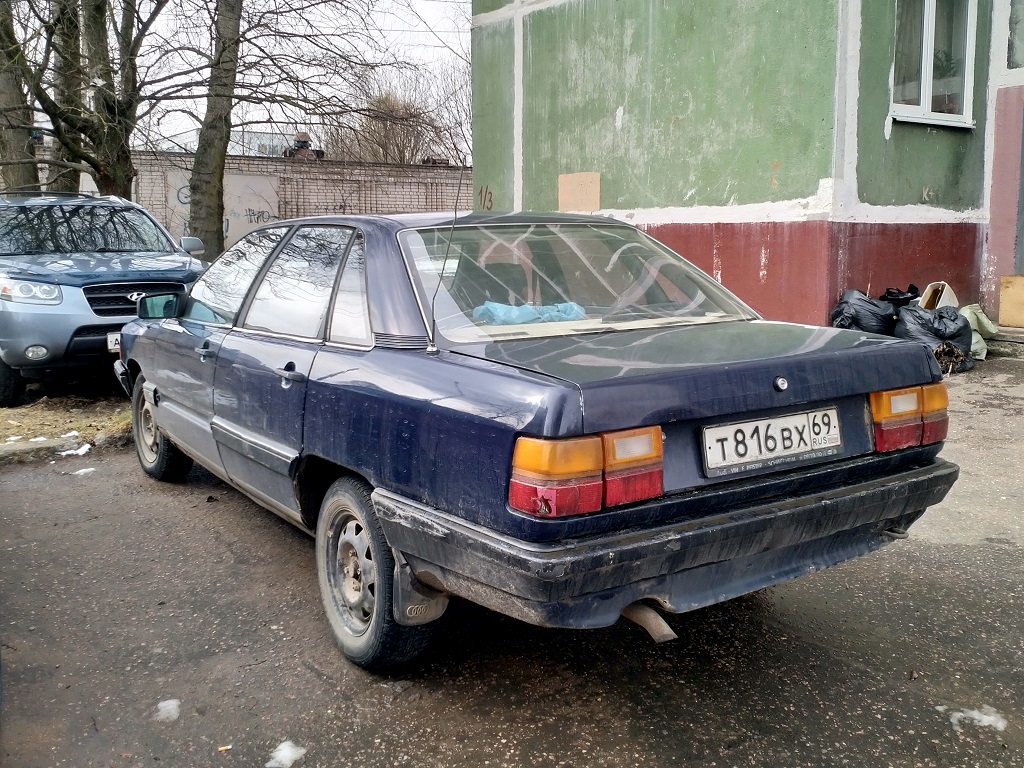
{"points": [[289, 375]]}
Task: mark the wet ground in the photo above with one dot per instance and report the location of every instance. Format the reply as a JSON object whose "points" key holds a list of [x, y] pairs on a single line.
{"points": [[119, 594]]}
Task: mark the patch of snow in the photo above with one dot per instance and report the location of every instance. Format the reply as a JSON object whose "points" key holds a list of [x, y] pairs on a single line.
{"points": [[986, 717], [72, 433], [86, 471], [38, 439], [77, 451], [168, 711], [13, 438], [285, 755]]}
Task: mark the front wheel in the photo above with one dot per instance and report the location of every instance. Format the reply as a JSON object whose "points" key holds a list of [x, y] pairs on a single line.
{"points": [[11, 386], [356, 569], [158, 456]]}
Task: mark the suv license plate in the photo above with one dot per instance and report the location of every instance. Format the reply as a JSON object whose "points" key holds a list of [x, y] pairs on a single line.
{"points": [[114, 342], [761, 444]]}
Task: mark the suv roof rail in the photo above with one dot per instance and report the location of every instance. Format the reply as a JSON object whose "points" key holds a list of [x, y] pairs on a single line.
{"points": [[41, 193]]}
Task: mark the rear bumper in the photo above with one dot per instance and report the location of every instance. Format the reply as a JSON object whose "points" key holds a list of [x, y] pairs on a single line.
{"points": [[687, 565]]}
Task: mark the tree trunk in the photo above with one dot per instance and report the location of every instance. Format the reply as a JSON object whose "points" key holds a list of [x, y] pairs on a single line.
{"points": [[206, 185], [70, 85], [15, 117]]}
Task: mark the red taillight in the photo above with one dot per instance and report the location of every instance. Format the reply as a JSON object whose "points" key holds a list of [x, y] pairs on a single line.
{"points": [[904, 418], [554, 478]]}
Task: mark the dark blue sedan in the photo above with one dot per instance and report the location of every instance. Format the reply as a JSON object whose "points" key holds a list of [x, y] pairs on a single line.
{"points": [[553, 416]]}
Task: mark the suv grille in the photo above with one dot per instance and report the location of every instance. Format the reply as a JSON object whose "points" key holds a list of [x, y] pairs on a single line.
{"points": [[111, 299]]}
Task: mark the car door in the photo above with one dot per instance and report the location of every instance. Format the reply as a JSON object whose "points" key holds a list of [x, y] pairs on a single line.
{"points": [[181, 363], [264, 363]]}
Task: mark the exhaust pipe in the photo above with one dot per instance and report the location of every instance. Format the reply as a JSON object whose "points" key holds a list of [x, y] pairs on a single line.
{"points": [[651, 620]]}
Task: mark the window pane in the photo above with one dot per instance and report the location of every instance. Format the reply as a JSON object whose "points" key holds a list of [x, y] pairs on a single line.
{"points": [[56, 229], [296, 290], [1015, 50], [948, 60], [554, 280], [350, 322], [218, 294], [909, 47]]}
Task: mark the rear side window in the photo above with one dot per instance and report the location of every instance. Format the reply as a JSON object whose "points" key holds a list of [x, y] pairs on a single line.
{"points": [[218, 294], [293, 296], [350, 322]]}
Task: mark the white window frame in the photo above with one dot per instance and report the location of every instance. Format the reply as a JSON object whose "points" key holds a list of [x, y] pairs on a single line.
{"points": [[923, 113]]}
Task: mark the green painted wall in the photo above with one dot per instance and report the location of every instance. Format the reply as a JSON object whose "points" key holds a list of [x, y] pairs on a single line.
{"points": [[677, 103], [493, 56], [919, 163], [486, 6]]}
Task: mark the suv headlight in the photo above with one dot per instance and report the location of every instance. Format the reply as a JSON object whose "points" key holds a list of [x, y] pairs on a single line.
{"points": [[29, 291]]}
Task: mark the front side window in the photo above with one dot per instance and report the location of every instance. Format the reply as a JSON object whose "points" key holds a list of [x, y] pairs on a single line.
{"points": [[933, 64], [292, 299], [218, 294], [67, 229], [542, 280]]}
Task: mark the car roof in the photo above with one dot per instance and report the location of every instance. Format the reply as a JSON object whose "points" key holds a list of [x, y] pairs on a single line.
{"points": [[397, 221], [43, 199]]}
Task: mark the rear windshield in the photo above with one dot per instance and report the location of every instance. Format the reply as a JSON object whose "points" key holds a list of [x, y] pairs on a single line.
{"points": [[48, 229], [543, 280]]}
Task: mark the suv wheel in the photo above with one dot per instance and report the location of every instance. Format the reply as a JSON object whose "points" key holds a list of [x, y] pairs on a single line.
{"points": [[11, 386]]}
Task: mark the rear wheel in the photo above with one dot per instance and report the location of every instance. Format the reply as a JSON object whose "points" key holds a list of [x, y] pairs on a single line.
{"points": [[11, 386], [356, 574], [159, 457]]}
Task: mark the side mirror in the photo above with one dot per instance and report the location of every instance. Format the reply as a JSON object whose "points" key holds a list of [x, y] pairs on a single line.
{"points": [[160, 306], [192, 245]]}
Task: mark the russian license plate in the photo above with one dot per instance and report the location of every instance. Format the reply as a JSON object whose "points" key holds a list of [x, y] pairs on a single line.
{"points": [[114, 342], [765, 443]]}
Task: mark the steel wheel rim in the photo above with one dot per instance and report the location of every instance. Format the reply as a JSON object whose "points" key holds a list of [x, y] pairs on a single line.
{"points": [[352, 574], [147, 434]]}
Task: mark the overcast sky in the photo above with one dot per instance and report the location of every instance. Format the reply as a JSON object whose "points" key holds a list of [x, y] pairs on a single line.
{"points": [[428, 29]]}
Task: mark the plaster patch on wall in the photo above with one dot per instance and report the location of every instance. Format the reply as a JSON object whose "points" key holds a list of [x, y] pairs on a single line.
{"points": [[619, 114]]}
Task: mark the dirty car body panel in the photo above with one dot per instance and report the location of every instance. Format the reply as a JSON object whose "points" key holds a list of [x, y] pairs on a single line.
{"points": [[471, 372]]}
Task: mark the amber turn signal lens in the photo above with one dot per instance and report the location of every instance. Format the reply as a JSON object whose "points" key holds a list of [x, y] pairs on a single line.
{"points": [[558, 459], [935, 398]]}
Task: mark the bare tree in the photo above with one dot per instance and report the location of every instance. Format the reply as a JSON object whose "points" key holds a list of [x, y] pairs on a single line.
{"points": [[15, 117], [95, 69], [206, 184]]}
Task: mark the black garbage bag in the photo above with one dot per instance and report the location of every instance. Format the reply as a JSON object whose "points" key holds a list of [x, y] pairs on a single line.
{"points": [[934, 327], [860, 312], [899, 298]]}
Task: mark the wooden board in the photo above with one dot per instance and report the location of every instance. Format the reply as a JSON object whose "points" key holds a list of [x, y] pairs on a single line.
{"points": [[1011, 301]]}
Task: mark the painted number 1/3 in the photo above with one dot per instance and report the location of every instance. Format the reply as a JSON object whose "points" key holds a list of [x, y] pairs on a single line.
{"points": [[486, 199]]}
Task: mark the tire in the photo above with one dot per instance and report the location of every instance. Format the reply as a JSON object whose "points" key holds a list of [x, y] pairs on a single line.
{"points": [[11, 386], [159, 457], [355, 569]]}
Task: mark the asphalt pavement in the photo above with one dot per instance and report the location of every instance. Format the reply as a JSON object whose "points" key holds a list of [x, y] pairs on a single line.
{"points": [[144, 624]]}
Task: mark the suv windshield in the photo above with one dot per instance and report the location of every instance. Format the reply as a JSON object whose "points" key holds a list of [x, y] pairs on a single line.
{"points": [[542, 280], [49, 229]]}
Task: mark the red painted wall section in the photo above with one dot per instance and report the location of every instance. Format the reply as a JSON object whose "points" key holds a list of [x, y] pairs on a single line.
{"points": [[780, 269], [873, 257], [796, 271], [1002, 234]]}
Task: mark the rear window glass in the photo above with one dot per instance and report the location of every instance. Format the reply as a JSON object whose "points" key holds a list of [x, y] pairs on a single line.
{"points": [[513, 281]]}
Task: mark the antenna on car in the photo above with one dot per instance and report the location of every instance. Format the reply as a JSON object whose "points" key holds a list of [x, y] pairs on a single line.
{"points": [[431, 342]]}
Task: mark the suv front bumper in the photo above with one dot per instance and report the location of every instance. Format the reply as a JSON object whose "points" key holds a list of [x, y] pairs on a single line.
{"points": [[71, 332], [588, 582]]}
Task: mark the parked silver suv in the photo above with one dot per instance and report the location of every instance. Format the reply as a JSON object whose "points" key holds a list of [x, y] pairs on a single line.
{"points": [[72, 268]]}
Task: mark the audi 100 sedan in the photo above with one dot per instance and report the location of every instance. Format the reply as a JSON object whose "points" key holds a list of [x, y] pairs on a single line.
{"points": [[552, 416]]}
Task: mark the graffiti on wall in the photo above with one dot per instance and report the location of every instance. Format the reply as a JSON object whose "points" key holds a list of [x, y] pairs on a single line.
{"points": [[249, 201]]}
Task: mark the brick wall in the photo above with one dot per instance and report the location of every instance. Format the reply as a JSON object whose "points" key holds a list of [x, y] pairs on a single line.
{"points": [[260, 189]]}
